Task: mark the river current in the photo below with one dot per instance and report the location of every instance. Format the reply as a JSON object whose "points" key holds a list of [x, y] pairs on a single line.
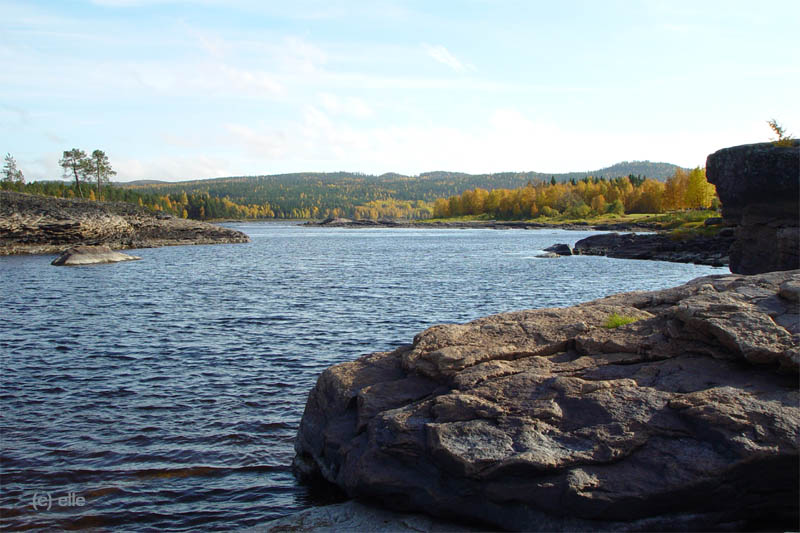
{"points": [[166, 393]]}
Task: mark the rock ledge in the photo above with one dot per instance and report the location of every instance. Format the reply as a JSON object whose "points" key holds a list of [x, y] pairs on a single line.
{"points": [[544, 420], [31, 224]]}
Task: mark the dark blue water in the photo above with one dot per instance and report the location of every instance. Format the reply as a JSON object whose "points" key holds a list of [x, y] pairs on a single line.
{"points": [[165, 393]]}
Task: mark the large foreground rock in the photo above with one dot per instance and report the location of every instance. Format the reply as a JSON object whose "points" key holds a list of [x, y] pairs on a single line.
{"points": [[545, 420], [91, 255], [31, 224], [759, 187]]}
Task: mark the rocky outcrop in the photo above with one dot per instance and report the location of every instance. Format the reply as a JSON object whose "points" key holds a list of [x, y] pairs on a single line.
{"points": [[759, 187], [546, 420], [659, 247], [32, 224], [91, 255]]}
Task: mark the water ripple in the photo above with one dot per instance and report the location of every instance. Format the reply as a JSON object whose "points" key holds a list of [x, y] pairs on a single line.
{"points": [[166, 392]]}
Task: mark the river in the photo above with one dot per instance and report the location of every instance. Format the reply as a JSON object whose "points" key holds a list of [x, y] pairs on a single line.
{"points": [[165, 393]]}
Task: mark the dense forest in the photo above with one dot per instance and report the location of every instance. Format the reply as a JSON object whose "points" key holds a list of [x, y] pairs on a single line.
{"points": [[321, 195], [586, 197]]}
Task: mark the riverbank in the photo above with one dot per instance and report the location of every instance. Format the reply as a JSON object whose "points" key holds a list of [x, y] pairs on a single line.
{"points": [[483, 224], [31, 224], [689, 244]]}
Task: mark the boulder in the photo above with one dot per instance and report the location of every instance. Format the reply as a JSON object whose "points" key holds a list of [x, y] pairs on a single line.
{"points": [[560, 249], [759, 187], [91, 255], [688, 418]]}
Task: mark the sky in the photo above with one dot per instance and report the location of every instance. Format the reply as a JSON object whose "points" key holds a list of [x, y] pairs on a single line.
{"points": [[191, 89]]}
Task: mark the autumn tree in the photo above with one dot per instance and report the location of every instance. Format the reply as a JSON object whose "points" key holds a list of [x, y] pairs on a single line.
{"points": [[11, 174], [100, 169], [76, 165], [675, 190], [699, 192]]}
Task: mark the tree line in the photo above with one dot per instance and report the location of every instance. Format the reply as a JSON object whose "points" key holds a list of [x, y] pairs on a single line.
{"points": [[585, 197], [354, 195]]}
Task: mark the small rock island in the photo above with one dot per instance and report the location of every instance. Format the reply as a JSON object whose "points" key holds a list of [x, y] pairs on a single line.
{"points": [[91, 255], [31, 224]]}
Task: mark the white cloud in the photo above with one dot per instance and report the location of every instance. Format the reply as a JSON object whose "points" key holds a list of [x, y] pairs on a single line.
{"points": [[170, 168], [264, 146], [249, 80], [443, 55], [350, 106]]}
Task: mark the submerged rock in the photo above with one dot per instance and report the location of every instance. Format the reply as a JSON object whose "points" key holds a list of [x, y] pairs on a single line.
{"points": [[91, 255], [545, 420], [354, 516]]}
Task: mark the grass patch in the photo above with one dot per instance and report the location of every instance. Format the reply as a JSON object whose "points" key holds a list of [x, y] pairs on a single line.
{"points": [[616, 320]]}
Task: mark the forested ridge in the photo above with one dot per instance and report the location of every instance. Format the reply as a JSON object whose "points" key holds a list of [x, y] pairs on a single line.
{"points": [[318, 195], [354, 195]]}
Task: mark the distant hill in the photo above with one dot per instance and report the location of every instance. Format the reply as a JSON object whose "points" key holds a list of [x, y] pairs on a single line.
{"points": [[139, 182], [298, 194], [658, 171]]}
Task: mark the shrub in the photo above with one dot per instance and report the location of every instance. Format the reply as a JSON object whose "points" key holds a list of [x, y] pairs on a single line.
{"points": [[616, 207], [579, 211], [548, 211], [616, 320]]}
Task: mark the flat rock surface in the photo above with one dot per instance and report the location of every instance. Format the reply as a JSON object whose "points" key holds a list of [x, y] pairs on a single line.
{"points": [[687, 418], [91, 255], [31, 224]]}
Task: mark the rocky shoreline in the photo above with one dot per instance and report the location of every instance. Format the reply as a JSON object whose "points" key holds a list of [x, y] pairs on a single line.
{"points": [[688, 418], [476, 224], [658, 246], [700, 250], [31, 224]]}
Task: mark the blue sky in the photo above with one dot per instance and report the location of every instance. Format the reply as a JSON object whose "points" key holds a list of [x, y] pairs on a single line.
{"points": [[205, 88]]}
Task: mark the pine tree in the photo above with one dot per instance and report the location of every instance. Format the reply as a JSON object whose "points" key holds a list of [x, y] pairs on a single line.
{"points": [[11, 174], [100, 169], [75, 165]]}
